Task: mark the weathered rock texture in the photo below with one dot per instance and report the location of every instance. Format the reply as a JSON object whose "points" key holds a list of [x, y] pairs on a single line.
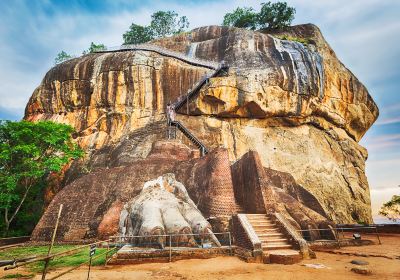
{"points": [[93, 202], [297, 105]]}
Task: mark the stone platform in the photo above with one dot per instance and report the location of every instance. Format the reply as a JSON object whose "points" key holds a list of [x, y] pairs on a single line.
{"points": [[129, 254], [284, 256]]}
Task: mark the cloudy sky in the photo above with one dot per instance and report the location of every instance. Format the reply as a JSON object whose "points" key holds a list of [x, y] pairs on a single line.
{"points": [[365, 35]]}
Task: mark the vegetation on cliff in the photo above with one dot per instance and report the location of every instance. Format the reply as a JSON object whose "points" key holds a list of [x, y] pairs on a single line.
{"points": [[163, 23], [29, 153], [271, 16]]}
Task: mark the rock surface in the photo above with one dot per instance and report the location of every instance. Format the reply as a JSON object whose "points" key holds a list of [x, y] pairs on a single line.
{"points": [[296, 105], [362, 270]]}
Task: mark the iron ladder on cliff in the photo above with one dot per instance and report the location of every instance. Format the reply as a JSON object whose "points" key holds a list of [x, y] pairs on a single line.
{"points": [[185, 99]]}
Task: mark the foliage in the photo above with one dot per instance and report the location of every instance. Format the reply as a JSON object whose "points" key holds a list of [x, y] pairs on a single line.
{"points": [[137, 34], [29, 152], [271, 16], [95, 48], [304, 41], [80, 256], [391, 209], [163, 23], [276, 15], [241, 17], [61, 57], [167, 23]]}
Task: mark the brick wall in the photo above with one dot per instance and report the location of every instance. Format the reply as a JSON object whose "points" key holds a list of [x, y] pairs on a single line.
{"points": [[247, 174]]}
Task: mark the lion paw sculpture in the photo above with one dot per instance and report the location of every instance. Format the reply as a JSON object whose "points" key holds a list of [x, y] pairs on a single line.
{"points": [[163, 208]]}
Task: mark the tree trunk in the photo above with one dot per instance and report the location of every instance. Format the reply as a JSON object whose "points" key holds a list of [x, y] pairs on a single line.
{"points": [[8, 221]]}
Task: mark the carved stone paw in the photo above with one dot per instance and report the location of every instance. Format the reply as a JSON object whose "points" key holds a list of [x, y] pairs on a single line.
{"points": [[164, 208]]}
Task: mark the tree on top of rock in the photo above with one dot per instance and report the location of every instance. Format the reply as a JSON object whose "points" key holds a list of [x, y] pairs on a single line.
{"points": [[163, 23], [167, 23], [61, 57], [276, 15], [241, 17], [95, 48], [271, 16], [137, 34]]}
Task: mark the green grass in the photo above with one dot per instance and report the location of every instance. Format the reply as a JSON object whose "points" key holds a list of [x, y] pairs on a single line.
{"points": [[304, 41], [18, 276], [76, 258]]}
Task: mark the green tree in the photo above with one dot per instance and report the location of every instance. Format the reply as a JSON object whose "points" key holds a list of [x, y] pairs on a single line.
{"points": [[242, 18], [276, 15], [95, 48], [391, 209], [61, 57], [167, 23], [271, 16], [163, 23], [137, 34], [29, 152]]}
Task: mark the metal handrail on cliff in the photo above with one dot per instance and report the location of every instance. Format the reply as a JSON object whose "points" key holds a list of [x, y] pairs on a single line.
{"points": [[182, 100], [218, 67], [195, 90], [165, 52], [190, 136]]}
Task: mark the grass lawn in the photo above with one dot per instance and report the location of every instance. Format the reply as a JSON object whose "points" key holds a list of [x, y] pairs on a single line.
{"points": [[76, 258]]}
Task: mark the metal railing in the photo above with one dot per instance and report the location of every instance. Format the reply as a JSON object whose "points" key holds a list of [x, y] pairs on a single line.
{"points": [[149, 245], [342, 233], [7, 241], [165, 52], [167, 245], [47, 259]]}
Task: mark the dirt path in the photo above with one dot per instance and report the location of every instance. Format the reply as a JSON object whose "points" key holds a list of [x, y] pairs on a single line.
{"points": [[233, 268]]}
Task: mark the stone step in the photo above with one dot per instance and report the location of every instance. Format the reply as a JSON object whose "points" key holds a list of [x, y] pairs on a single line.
{"points": [[259, 228], [263, 223], [285, 256], [274, 240], [275, 247], [256, 215], [266, 231], [251, 217], [271, 235], [258, 220]]}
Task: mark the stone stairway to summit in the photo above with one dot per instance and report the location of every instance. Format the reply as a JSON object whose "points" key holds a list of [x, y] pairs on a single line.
{"points": [[275, 245]]}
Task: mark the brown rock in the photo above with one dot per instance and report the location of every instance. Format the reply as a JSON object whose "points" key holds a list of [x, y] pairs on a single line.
{"points": [[362, 270], [297, 106]]}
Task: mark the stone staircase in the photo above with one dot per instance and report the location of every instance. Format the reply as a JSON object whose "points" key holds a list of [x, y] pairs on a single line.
{"points": [[275, 246]]}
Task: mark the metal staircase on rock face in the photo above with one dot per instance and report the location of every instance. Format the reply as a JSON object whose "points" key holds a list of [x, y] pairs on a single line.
{"points": [[217, 67], [275, 245], [190, 136], [184, 99], [196, 89]]}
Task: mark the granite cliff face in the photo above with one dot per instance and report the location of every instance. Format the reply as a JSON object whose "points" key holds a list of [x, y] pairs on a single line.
{"points": [[296, 105]]}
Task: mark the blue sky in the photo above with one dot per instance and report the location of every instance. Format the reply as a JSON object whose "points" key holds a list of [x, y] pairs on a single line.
{"points": [[365, 35]]}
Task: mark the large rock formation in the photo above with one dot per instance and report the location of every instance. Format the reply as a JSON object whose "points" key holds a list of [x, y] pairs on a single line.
{"points": [[295, 104]]}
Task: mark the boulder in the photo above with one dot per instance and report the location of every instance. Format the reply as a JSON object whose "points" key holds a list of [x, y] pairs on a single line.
{"points": [[294, 104]]}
